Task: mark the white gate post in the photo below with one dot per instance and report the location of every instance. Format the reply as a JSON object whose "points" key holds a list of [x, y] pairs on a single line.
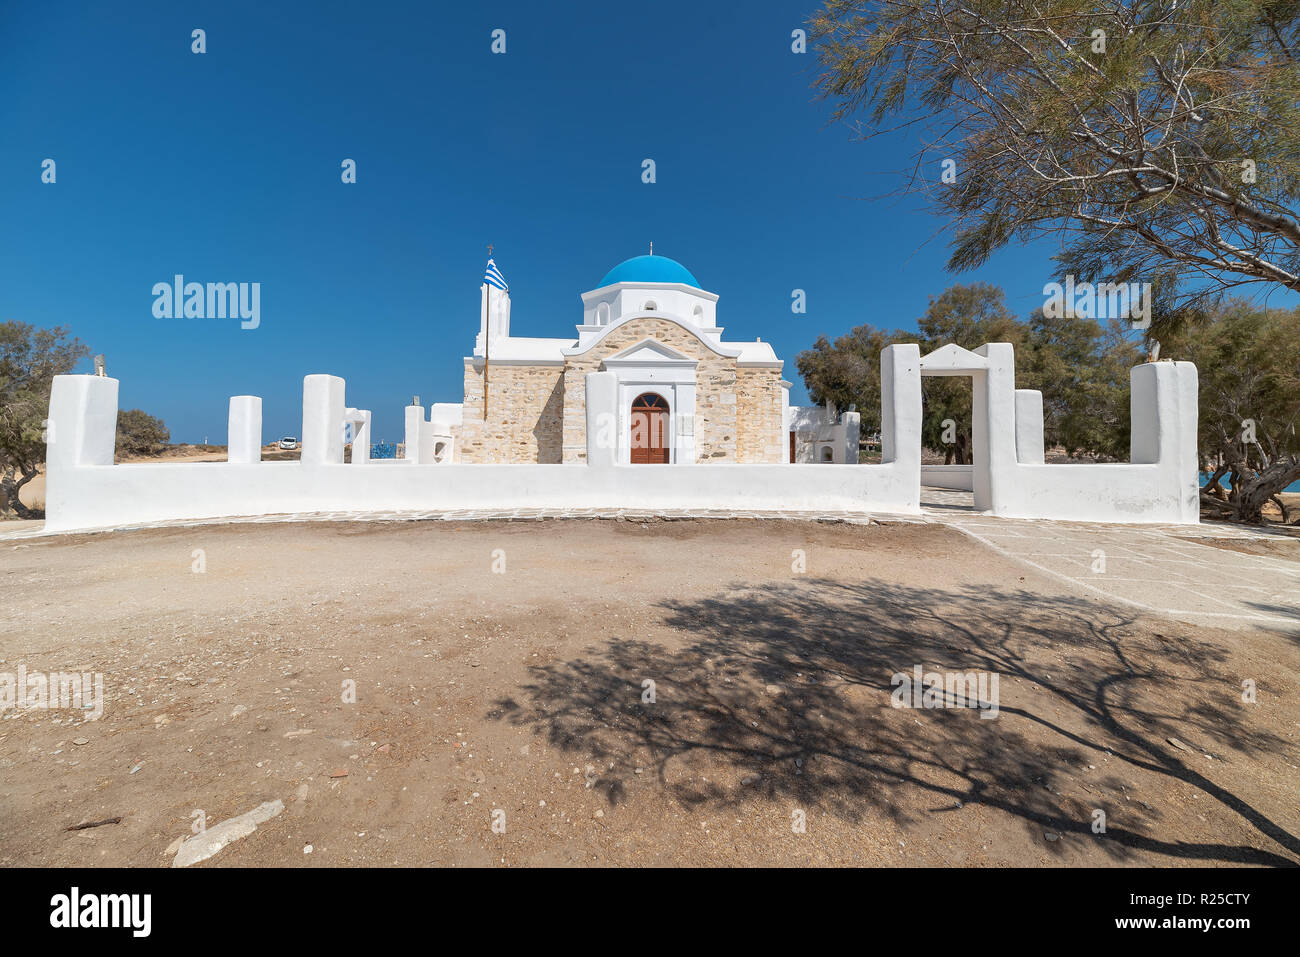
{"points": [[322, 420], [244, 429]]}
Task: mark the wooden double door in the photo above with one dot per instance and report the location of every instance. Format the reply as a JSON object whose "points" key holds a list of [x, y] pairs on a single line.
{"points": [[649, 430]]}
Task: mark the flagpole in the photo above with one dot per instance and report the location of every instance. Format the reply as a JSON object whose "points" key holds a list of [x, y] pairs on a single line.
{"points": [[487, 335]]}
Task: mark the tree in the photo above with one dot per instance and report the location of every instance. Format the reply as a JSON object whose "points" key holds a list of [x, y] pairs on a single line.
{"points": [[1081, 367], [1159, 141], [139, 433], [848, 372], [30, 358], [1249, 365], [968, 316]]}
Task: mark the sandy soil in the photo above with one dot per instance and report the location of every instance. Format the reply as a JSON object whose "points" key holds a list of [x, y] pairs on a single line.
{"points": [[1280, 548], [522, 692]]}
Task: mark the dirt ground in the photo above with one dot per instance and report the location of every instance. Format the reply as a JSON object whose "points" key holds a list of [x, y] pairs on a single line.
{"points": [[1288, 548], [226, 653]]}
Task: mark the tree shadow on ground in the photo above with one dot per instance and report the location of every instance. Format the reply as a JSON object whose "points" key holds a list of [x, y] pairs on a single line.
{"points": [[788, 686]]}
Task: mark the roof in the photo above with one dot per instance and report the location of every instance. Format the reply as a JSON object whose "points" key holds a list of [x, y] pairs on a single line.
{"points": [[641, 269]]}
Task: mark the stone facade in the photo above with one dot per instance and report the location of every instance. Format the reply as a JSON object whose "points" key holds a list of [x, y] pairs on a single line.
{"points": [[525, 414], [715, 396], [650, 323], [759, 429], [537, 413]]}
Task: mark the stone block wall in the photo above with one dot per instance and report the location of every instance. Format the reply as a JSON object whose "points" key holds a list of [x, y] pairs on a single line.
{"points": [[525, 414], [759, 436], [537, 413], [715, 393]]}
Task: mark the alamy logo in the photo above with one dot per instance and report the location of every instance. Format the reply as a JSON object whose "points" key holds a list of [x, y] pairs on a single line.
{"points": [[102, 910], [953, 689], [37, 690], [179, 299], [1105, 300]]}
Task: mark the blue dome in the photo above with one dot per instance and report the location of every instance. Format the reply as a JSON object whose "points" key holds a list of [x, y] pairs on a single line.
{"points": [[649, 269]]}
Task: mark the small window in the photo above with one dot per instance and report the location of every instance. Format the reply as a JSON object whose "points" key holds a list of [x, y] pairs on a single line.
{"points": [[602, 314], [439, 451], [828, 454], [650, 306], [699, 314]]}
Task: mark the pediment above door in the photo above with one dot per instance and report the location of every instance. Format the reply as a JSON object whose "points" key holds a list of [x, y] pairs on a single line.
{"points": [[649, 352]]}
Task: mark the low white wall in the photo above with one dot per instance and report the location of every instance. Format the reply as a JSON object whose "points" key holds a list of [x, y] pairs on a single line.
{"points": [[85, 490], [109, 495], [961, 478], [1093, 493], [1161, 486]]}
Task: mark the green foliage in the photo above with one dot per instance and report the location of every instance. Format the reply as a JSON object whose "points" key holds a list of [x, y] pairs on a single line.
{"points": [[30, 358], [1157, 142], [848, 372], [1248, 359], [968, 316], [1081, 367], [1249, 363], [139, 433]]}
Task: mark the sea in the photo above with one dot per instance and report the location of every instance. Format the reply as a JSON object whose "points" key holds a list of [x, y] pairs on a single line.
{"points": [[1205, 477]]}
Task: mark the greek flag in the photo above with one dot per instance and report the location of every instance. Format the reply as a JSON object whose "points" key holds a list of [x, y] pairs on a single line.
{"points": [[492, 276]]}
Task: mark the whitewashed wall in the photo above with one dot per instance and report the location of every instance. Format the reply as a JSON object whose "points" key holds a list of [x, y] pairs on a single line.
{"points": [[959, 478], [1160, 485], [99, 496], [84, 489]]}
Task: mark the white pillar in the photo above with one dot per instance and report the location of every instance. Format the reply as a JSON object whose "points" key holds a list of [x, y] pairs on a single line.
{"points": [[360, 419], [602, 418], [322, 420], [683, 412], [427, 442], [1164, 406], [851, 422], [993, 427], [82, 424], [244, 429], [414, 434], [900, 409], [1029, 427], [81, 430]]}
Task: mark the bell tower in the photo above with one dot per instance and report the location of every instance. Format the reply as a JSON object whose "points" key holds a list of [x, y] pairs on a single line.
{"points": [[494, 307]]}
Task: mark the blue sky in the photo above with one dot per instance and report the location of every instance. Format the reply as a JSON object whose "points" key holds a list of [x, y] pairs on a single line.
{"points": [[225, 167]]}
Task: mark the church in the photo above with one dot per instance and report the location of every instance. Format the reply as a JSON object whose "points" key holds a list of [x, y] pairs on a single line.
{"points": [[684, 394]]}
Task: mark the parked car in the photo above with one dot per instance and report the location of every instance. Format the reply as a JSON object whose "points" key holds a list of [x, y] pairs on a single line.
{"points": [[288, 443]]}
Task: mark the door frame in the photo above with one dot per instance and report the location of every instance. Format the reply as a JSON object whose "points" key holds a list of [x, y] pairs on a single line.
{"points": [[650, 366], [953, 360], [666, 437]]}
